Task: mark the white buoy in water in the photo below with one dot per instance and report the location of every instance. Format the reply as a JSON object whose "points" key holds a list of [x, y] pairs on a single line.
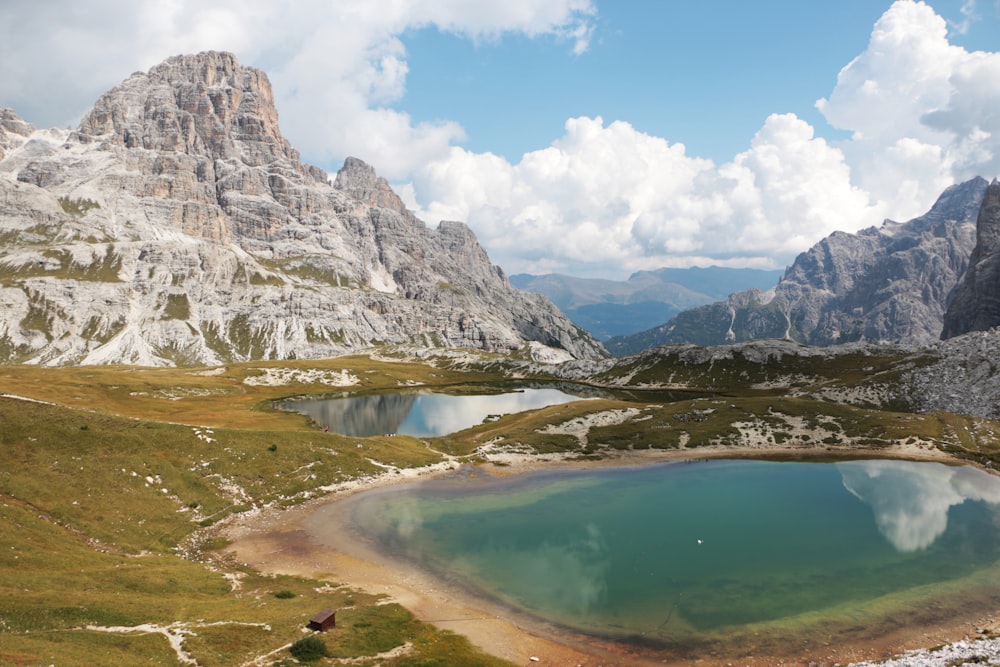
{"points": [[699, 541]]}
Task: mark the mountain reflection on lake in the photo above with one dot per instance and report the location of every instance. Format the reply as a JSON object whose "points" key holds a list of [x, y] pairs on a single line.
{"points": [[685, 553], [420, 414]]}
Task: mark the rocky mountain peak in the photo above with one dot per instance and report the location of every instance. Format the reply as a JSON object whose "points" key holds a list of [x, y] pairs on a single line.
{"points": [[13, 130], [177, 226], [974, 304], [203, 131], [359, 180], [883, 284], [11, 122], [202, 105], [988, 222]]}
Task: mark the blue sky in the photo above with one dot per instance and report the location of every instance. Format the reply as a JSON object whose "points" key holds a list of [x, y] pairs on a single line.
{"points": [[583, 136], [705, 74]]}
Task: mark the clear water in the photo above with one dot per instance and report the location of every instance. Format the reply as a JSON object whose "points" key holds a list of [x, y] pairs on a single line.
{"points": [[420, 414], [694, 550]]}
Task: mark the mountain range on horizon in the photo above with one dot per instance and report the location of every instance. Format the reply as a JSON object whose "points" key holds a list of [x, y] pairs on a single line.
{"points": [[611, 308], [897, 283], [176, 226]]}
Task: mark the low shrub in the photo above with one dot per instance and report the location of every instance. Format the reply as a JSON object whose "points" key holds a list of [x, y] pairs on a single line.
{"points": [[308, 649]]}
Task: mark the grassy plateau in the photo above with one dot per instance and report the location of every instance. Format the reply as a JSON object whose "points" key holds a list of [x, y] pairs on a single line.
{"points": [[112, 480]]}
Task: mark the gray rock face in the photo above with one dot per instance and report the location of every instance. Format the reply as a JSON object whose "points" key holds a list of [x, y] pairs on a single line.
{"points": [[975, 303], [13, 130], [177, 226], [963, 377], [885, 284]]}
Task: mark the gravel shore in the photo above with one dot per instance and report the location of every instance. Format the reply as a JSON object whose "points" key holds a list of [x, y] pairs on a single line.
{"points": [[965, 652]]}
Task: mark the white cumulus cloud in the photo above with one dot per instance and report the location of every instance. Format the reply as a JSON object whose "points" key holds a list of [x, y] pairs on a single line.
{"points": [[605, 196], [336, 67], [606, 199], [923, 112], [919, 112]]}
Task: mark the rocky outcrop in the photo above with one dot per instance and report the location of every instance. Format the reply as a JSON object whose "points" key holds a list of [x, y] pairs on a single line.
{"points": [[360, 181], [13, 131], [960, 375], [177, 226], [974, 304], [885, 284]]}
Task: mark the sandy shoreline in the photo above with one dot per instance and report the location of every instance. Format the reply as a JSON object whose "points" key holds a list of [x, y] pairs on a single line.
{"points": [[281, 542]]}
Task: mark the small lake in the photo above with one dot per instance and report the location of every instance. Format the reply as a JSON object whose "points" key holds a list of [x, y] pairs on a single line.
{"points": [[687, 554], [420, 414]]}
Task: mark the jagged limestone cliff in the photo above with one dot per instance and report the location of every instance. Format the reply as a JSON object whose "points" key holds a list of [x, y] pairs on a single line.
{"points": [[974, 305], [177, 226], [884, 284]]}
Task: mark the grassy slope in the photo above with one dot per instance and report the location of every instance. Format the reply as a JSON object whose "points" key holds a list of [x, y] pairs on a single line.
{"points": [[93, 504], [98, 491]]}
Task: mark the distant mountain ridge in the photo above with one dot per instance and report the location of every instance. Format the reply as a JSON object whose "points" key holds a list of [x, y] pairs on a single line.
{"points": [[608, 308], [886, 284], [177, 226]]}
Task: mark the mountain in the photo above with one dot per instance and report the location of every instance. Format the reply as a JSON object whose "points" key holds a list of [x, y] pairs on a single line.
{"points": [[974, 305], [889, 283], [608, 308], [177, 226]]}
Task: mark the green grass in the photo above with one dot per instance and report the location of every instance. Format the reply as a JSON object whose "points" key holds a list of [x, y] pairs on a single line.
{"points": [[177, 307], [77, 206], [38, 317], [667, 367], [98, 492], [311, 269], [108, 496], [99, 330], [104, 268], [695, 423], [89, 540]]}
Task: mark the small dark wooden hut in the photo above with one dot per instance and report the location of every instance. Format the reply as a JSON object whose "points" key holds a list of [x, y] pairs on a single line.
{"points": [[323, 620]]}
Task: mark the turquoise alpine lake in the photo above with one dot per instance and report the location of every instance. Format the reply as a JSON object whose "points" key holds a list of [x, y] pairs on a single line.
{"points": [[687, 552]]}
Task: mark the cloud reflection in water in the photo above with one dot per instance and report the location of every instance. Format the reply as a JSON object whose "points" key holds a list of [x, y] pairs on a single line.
{"points": [[911, 500], [420, 414], [570, 578], [441, 414]]}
